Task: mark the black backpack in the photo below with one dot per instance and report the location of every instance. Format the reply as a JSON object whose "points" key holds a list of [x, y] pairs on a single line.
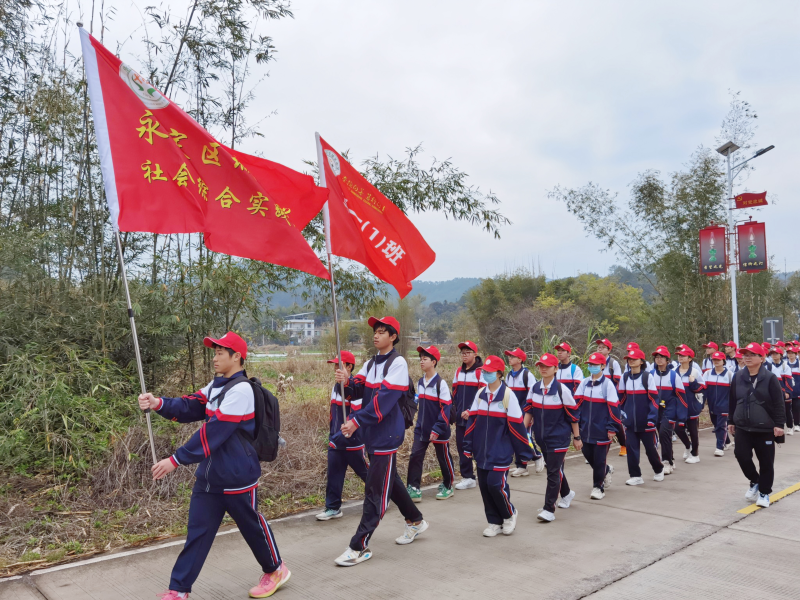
{"points": [[406, 402], [267, 417]]}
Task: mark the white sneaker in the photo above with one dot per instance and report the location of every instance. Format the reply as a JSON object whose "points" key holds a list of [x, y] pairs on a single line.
{"points": [[510, 524], [752, 493], [546, 516], [788, 430], [329, 514], [797, 427], [466, 484], [727, 446], [411, 533], [352, 557], [519, 472], [719, 452], [597, 494], [686, 453], [674, 437], [668, 468], [763, 500], [659, 476], [692, 460], [585, 461], [635, 481], [492, 530], [539, 464], [609, 473], [566, 500]]}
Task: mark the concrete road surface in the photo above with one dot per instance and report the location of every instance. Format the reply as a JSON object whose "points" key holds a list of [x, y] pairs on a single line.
{"points": [[680, 538]]}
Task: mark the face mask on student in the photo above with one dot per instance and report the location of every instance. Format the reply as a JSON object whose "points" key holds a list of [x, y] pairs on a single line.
{"points": [[595, 369], [490, 377]]}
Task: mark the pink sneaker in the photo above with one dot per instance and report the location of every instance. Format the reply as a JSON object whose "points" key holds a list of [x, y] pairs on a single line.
{"points": [[270, 582], [172, 595]]}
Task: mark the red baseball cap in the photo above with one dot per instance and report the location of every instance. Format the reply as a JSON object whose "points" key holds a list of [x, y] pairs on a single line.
{"points": [[518, 352], [718, 356], [730, 344], [596, 359], [663, 351], [605, 343], [390, 321], [634, 353], [712, 345], [781, 343], [547, 360], [229, 340], [794, 349], [431, 351], [471, 345], [347, 357], [776, 350], [738, 354], [765, 346], [686, 351], [631, 346], [564, 346], [493, 363], [755, 348]]}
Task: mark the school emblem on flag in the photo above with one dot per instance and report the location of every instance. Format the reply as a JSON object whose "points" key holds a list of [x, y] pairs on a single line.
{"points": [[148, 94]]}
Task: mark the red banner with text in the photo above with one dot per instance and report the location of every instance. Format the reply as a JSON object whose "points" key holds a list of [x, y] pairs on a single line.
{"points": [[752, 247], [713, 255]]}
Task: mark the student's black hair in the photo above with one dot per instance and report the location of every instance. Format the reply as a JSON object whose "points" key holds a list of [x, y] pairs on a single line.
{"points": [[352, 365], [230, 353], [390, 329], [423, 353]]}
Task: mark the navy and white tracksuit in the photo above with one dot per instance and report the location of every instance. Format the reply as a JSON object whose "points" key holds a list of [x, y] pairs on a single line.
{"points": [[570, 375], [718, 389], [465, 387], [613, 373], [784, 374], [689, 413], [343, 452], [433, 426], [639, 410], [226, 478], [671, 394], [794, 383], [516, 383], [494, 435], [554, 410], [732, 365], [707, 365], [382, 426], [599, 416]]}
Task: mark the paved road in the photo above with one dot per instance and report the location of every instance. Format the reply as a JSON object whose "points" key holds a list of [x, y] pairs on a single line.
{"points": [[681, 538]]}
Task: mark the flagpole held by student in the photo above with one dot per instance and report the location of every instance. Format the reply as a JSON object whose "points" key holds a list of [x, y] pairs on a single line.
{"points": [[520, 381], [466, 384], [613, 373]]}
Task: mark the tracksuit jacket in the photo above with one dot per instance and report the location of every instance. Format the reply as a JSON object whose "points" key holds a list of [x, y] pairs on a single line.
{"points": [[717, 392], [570, 375], [553, 415], [639, 405], [382, 418], [794, 382], [516, 383], [732, 365], [708, 365], [612, 371], [783, 373], [494, 435], [693, 395], [336, 439], [671, 393], [433, 414], [228, 464], [599, 410], [465, 386]]}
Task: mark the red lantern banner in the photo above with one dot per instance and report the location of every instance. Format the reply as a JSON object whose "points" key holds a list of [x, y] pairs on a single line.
{"points": [[752, 247], [713, 255]]}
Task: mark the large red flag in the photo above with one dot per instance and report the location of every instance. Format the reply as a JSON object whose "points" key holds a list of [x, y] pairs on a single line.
{"points": [[368, 228], [164, 173]]}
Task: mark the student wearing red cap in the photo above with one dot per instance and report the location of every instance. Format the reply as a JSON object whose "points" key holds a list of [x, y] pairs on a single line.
{"points": [[783, 372], [342, 452], [793, 365], [553, 413], [599, 418], [520, 381], [646, 365], [717, 392], [639, 410], [710, 348], [613, 373], [689, 412], [381, 384], [433, 426], [494, 434], [228, 473], [569, 374], [671, 394], [731, 363], [466, 383]]}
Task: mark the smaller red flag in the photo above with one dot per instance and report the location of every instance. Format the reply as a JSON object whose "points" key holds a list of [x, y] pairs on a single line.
{"points": [[751, 200], [368, 228]]}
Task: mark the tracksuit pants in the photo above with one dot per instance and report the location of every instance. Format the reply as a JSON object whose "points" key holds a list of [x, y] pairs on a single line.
{"points": [[665, 431], [597, 455], [790, 422], [205, 516], [796, 410], [418, 451], [382, 484], [620, 433], [720, 423], [465, 466], [689, 434], [763, 444], [338, 461], [649, 439], [496, 495], [557, 484]]}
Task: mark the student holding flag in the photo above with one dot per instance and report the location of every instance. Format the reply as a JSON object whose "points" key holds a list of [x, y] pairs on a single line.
{"points": [[613, 373], [520, 381]]}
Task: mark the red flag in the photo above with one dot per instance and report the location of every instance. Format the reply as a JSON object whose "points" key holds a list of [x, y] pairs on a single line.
{"points": [[369, 229], [164, 173], [750, 200]]}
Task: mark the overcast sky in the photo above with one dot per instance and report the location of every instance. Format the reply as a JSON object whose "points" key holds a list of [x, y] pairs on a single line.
{"points": [[527, 95]]}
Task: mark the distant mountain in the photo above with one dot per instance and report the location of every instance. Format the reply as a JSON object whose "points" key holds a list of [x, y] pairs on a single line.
{"points": [[439, 291]]}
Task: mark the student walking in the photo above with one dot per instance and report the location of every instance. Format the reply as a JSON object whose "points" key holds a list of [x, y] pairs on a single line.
{"points": [[599, 418], [553, 413], [757, 405], [381, 384], [613, 373], [433, 426], [466, 384], [495, 433], [709, 349], [730, 350], [671, 394], [793, 363], [568, 373], [342, 452], [689, 411], [783, 372], [520, 381], [717, 392], [227, 477], [639, 408]]}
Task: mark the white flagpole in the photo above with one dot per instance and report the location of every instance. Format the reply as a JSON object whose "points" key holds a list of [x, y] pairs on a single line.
{"points": [[326, 219]]}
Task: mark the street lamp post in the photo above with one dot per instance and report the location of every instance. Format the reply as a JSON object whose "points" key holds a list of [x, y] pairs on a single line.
{"points": [[726, 150]]}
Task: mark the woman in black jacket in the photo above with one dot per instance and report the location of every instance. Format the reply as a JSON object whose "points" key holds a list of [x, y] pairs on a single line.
{"points": [[757, 418]]}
